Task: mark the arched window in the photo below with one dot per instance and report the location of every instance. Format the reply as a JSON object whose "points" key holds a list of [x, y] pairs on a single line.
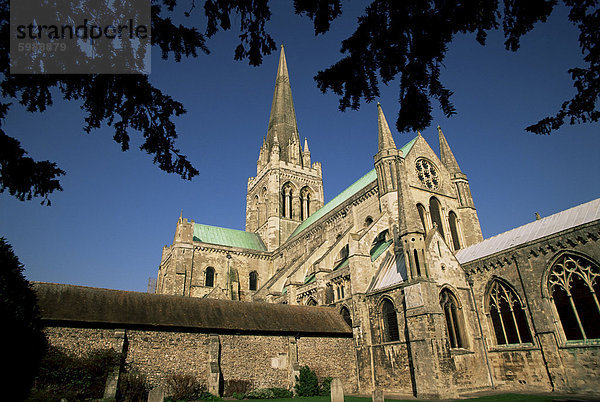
{"points": [[453, 222], [390, 322], [507, 315], [329, 294], [417, 265], [423, 216], [346, 315], [368, 221], [574, 286], [454, 323], [287, 195], [305, 199], [253, 280], [435, 210], [311, 302], [209, 277]]}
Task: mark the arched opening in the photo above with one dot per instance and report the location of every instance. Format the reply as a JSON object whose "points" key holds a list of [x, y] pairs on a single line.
{"points": [[305, 199], [390, 322], [417, 265], [311, 302], [507, 315], [454, 322], [253, 280], [435, 210], [368, 221], [346, 316], [209, 277], [423, 216], [453, 222], [574, 286], [329, 294], [287, 195]]}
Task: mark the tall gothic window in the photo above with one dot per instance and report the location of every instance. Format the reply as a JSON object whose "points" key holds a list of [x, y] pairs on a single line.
{"points": [[346, 315], [453, 223], [507, 315], [423, 216], [287, 195], [435, 209], [573, 284], [209, 277], [305, 199], [390, 322], [453, 315], [253, 280]]}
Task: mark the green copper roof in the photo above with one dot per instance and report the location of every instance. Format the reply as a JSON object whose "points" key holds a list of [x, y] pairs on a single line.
{"points": [[379, 248], [342, 264], [346, 194], [228, 237], [310, 279]]}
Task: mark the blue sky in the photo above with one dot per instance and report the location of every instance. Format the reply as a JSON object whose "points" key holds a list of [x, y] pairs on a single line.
{"points": [[117, 210]]}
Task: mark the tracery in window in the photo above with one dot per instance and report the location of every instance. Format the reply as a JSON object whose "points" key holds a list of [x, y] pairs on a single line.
{"points": [[573, 284], [305, 199], [507, 315], [453, 316], [427, 173], [390, 322], [287, 195]]}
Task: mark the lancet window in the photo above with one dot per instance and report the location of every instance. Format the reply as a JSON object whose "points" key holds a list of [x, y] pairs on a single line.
{"points": [[390, 321], [453, 316]]}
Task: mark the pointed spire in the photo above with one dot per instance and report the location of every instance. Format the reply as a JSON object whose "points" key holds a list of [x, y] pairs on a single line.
{"points": [[386, 141], [282, 121], [306, 145], [446, 154]]}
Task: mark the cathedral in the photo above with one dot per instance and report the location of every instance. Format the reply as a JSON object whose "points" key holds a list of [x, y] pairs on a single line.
{"points": [[389, 286]]}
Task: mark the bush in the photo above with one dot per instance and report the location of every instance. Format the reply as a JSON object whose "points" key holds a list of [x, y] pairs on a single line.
{"points": [[238, 395], [232, 387], [73, 377], [133, 387], [307, 383], [325, 388], [20, 315], [269, 393], [185, 387]]}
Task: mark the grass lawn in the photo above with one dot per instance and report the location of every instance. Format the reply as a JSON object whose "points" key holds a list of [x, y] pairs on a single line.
{"points": [[488, 398]]}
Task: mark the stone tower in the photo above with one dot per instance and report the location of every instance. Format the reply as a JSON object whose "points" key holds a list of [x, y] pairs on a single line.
{"points": [[287, 188], [467, 213]]}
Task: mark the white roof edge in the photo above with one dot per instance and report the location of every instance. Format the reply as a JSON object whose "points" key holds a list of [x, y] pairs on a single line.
{"points": [[563, 220]]}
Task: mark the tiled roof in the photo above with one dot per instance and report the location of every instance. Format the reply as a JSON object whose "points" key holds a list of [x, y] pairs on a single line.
{"points": [[74, 305], [567, 219], [228, 237], [345, 195]]}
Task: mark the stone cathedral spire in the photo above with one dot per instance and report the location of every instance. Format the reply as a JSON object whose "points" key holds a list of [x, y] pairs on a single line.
{"points": [[282, 121], [446, 154]]}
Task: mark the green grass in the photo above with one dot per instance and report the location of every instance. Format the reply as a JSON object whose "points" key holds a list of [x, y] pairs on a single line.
{"points": [[488, 398]]}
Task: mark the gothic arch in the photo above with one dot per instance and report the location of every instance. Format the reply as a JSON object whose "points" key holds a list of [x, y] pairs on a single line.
{"points": [[288, 192], [423, 215], [572, 284], [253, 280], [454, 230], [306, 198], [311, 302], [346, 315], [435, 211], [209, 277], [506, 313], [455, 323], [389, 320]]}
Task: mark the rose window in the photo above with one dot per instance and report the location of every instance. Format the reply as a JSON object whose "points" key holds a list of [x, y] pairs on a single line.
{"points": [[427, 173]]}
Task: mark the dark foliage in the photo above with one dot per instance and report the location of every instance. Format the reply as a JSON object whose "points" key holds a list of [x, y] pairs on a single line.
{"points": [[410, 39], [307, 383], [133, 386], [71, 377], [186, 387], [23, 337], [239, 387], [393, 38], [269, 393], [325, 387]]}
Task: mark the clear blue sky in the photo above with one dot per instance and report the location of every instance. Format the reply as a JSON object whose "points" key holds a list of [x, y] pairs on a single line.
{"points": [[117, 210]]}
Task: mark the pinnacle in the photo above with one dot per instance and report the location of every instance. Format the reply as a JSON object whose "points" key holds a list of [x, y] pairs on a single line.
{"points": [[446, 154], [386, 141]]}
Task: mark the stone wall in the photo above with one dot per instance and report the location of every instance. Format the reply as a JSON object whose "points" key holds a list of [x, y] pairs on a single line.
{"points": [[262, 360]]}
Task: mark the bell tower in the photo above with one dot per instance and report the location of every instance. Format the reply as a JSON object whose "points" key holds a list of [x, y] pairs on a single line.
{"points": [[287, 188]]}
